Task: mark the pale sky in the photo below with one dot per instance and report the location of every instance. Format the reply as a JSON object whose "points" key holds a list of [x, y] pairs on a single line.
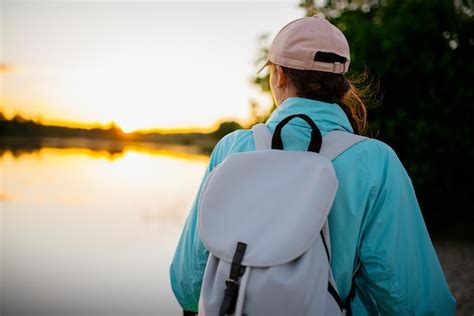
{"points": [[150, 64]]}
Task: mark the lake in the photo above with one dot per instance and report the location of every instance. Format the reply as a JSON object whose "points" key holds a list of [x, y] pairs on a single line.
{"points": [[91, 233]]}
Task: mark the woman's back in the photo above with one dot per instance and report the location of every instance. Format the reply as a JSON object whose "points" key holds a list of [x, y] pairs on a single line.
{"points": [[375, 221]]}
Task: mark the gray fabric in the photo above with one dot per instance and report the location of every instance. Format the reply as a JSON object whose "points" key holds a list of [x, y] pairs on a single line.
{"points": [[281, 186], [277, 202], [337, 142], [262, 137], [295, 288]]}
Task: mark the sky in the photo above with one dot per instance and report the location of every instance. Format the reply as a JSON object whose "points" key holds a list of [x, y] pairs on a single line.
{"points": [[143, 65]]}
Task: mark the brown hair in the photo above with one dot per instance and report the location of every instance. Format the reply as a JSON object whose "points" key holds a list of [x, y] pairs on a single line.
{"points": [[350, 94]]}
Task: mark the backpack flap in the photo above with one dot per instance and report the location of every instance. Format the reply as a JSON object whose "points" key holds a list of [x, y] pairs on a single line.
{"points": [[275, 201]]}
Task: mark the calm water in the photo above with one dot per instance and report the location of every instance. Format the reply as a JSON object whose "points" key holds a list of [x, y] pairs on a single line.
{"points": [[85, 233]]}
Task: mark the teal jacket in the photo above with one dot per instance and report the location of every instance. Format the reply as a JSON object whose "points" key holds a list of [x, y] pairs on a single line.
{"points": [[375, 221]]}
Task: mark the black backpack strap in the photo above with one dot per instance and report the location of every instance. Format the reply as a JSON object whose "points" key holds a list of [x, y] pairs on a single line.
{"points": [[231, 291], [316, 138]]}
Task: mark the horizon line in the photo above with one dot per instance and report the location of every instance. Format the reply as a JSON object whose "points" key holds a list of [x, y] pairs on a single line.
{"points": [[91, 125]]}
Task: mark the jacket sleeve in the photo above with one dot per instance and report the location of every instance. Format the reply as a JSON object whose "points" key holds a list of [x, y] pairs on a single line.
{"points": [[400, 270], [190, 258]]}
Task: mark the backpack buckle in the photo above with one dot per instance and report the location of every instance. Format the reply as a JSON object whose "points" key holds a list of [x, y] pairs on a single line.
{"points": [[230, 282]]}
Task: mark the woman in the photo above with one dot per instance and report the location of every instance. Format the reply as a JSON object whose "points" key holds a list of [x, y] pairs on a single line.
{"points": [[375, 221]]}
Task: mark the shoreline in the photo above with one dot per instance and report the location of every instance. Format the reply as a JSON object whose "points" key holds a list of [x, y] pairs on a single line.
{"points": [[19, 145]]}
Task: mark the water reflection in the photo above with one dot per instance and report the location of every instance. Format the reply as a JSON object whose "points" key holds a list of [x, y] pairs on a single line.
{"points": [[87, 233], [111, 149]]}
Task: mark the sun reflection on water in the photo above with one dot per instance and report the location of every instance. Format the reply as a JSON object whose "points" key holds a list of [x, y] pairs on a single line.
{"points": [[71, 214]]}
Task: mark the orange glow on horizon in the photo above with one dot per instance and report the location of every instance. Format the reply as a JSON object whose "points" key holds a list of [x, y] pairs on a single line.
{"points": [[102, 125], [130, 66], [4, 68]]}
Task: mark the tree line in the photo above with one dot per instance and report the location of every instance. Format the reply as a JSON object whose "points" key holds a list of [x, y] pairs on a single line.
{"points": [[34, 132]]}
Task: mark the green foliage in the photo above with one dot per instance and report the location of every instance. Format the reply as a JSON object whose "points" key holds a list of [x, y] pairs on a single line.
{"points": [[225, 128], [422, 53], [262, 81]]}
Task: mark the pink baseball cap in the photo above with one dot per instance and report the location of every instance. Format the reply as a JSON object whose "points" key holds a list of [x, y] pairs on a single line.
{"points": [[305, 43]]}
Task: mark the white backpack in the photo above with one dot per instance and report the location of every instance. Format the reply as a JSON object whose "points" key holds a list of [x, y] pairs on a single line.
{"points": [[263, 218]]}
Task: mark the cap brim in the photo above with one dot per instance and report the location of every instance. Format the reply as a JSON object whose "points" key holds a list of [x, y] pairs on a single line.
{"points": [[263, 66]]}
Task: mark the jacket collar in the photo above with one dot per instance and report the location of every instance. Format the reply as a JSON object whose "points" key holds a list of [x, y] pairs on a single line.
{"points": [[328, 116]]}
